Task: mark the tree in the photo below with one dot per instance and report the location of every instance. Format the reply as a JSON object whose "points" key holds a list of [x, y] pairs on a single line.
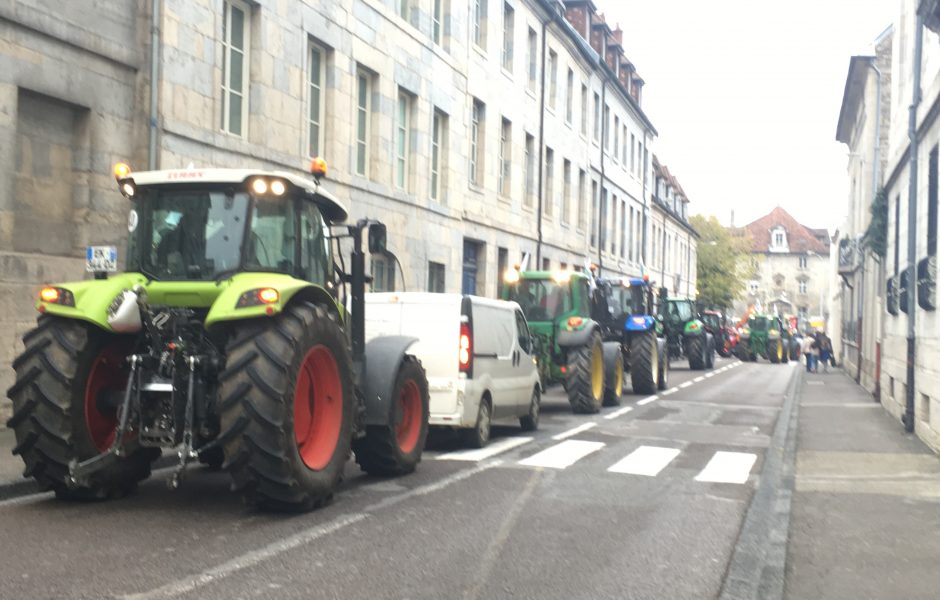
{"points": [[722, 262]]}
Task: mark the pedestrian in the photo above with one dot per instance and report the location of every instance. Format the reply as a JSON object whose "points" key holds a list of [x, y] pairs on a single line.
{"points": [[807, 350], [825, 350], [814, 347]]}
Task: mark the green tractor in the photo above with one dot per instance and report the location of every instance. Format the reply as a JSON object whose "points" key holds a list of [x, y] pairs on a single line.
{"points": [[229, 339], [764, 336], [686, 335], [570, 342]]}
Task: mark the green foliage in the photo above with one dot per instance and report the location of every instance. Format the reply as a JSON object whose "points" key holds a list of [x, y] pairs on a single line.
{"points": [[876, 236], [723, 262]]}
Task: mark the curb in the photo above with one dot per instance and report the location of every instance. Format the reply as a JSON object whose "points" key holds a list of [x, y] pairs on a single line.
{"points": [[758, 565]]}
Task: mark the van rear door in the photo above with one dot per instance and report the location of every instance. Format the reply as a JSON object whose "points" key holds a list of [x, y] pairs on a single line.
{"points": [[495, 341]]}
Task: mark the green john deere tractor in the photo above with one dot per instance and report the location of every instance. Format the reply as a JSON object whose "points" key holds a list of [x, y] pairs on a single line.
{"points": [[686, 335], [227, 339], [764, 336], [570, 342]]}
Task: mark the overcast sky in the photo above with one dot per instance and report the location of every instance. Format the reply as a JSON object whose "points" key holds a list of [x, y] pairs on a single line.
{"points": [[746, 94]]}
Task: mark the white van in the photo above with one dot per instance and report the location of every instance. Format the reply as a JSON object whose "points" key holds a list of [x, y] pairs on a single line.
{"points": [[477, 352]]}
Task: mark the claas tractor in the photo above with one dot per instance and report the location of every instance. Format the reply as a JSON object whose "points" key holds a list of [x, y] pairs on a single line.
{"points": [[234, 336], [570, 345]]}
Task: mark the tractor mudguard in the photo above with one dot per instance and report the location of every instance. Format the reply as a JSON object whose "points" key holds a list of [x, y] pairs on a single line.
{"points": [[225, 307], [384, 356], [639, 323], [694, 327], [578, 337], [91, 298]]}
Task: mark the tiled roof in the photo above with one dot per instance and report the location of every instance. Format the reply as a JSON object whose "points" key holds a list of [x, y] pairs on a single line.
{"points": [[800, 238]]}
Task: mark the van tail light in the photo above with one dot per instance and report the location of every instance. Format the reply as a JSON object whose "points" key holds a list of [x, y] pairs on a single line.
{"points": [[465, 352]]}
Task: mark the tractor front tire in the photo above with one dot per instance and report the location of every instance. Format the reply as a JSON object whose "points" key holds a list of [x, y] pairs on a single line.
{"points": [[644, 362], [613, 374], [395, 448], [775, 352], [57, 419], [584, 379], [696, 349], [662, 380], [287, 408]]}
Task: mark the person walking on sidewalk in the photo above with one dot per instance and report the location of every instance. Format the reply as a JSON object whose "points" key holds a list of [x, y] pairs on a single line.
{"points": [[825, 350], [807, 349]]}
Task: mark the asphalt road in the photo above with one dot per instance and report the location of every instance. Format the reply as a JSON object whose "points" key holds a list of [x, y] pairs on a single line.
{"points": [[642, 501]]}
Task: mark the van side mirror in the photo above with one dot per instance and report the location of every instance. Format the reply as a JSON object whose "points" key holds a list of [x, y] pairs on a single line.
{"points": [[378, 236]]}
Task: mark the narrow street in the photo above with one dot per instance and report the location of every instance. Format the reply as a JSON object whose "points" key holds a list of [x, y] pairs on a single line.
{"points": [[642, 501]]}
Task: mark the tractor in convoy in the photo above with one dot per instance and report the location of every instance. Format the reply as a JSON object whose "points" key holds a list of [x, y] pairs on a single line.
{"points": [[625, 308], [234, 336], [725, 337], [686, 335], [570, 346], [764, 336]]}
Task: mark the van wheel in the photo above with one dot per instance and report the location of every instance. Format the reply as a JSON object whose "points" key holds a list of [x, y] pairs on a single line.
{"points": [[480, 434], [530, 422]]}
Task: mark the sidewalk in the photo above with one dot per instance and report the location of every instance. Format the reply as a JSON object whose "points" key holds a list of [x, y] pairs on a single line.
{"points": [[865, 513]]}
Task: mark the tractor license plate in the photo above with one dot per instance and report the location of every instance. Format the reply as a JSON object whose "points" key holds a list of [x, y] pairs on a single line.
{"points": [[101, 259]]}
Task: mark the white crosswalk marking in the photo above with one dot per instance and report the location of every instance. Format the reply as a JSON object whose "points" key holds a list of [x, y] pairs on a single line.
{"points": [[728, 467], [645, 460], [494, 448], [563, 455], [574, 431], [619, 412]]}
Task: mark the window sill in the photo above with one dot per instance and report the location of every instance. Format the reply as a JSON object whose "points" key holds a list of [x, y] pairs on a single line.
{"points": [[508, 74], [476, 188], [479, 50]]}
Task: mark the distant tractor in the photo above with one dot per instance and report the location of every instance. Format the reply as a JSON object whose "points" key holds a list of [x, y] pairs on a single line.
{"points": [[764, 336], [686, 335], [571, 347], [229, 339], [725, 337]]}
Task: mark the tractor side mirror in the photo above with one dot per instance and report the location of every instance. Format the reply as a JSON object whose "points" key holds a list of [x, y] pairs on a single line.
{"points": [[378, 237]]}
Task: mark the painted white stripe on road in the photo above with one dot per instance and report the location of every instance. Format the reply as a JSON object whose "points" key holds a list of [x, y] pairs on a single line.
{"points": [[669, 391], [563, 455], [710, 374], [26, 499], [645, 460], [618, 413], [699, 378], [574, 431], [728, 467], [492, 449], [682, 386], [646, 401]]}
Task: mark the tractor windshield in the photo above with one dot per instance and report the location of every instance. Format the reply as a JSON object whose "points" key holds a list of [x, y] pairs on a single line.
{"points": [[712, 320], [541, 299], [679, 311], [628, 300], [758, 324]]}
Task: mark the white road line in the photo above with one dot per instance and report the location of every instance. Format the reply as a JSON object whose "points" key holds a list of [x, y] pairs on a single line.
{"points": [[699, 378], [669, 391], [29, 498], [682, 386], [574, 431], [728, 467], [250, 559], [492, 449], [645, 460], [562, 455], [646, 401], [710, 374], [618, 413]]}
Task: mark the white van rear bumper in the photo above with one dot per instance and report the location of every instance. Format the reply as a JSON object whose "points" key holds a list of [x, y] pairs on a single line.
{"points": [[465, 415]]}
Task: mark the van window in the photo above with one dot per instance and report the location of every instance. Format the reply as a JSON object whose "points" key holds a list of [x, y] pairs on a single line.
{"points": [[492, 331], [522, 329]]}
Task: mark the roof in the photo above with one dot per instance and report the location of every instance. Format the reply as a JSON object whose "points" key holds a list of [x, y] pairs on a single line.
{"points": [[333, 210], [800, 238], [852, 96]]}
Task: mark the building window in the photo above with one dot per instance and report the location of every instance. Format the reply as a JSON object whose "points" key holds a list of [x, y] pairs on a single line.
{"points": [[479, 23], [552, 77], [606, 127], [616, 138], [402, 139], [532, 58], [383, 274], [597, 117], [604, 221], [438, 153], [363, 114], [582, 205], [802, 286], [505, 158], [437, 22], [584, 110], [508, 27], [436, 277], [529, 164], [779, 239], [235, 36], [569, 97], [549, 182], [316, 103], [594, 197], [566, 192], [897, 235], [932, 169], [404, 9], [477, 132], [803, 261], [625, 152], [632, 153], [631, 254]]}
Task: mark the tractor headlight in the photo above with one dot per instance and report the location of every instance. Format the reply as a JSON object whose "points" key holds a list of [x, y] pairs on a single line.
{"points": [[259, 186], [258, 297], [56, 295]]}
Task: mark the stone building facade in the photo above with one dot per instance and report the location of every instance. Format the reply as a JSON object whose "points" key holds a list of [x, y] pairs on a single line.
{"points": [[478, 130], [791, 262], [673, 241]]}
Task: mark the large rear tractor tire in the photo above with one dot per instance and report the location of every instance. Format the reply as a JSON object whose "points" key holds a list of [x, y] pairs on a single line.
{"points": [[696, 350], [61, 409], [287, 408], [395, 449], [585, 376], [613, 374], [644, 362]]}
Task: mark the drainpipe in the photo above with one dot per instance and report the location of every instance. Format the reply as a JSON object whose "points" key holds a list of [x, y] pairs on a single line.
{"points": [[908, 418], [604, 202], [538, 245], [154, 84]]}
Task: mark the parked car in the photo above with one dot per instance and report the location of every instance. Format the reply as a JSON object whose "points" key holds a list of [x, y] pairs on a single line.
{"points": [[478, 354]]}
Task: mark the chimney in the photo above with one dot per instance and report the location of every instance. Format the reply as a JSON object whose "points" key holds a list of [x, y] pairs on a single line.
{"points": [[578, 15]]}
